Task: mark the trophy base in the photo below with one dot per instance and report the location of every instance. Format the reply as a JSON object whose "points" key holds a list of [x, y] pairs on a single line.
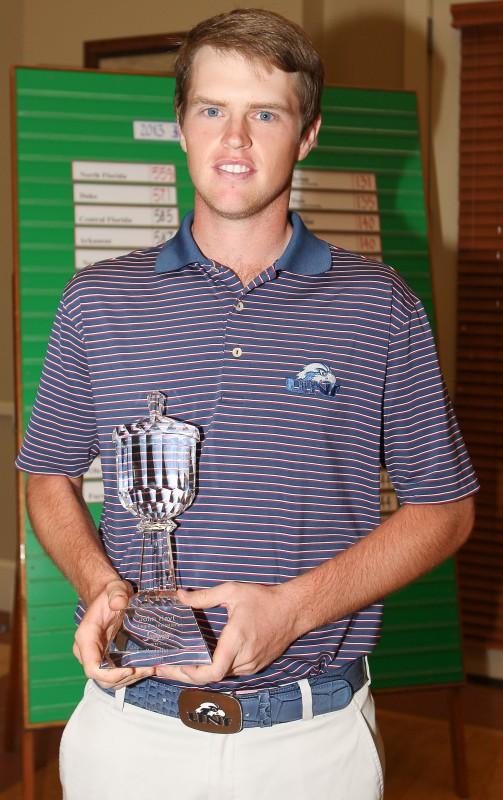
{"points": [[155, 629]]}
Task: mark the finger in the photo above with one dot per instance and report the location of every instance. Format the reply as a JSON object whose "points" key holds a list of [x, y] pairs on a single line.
{"points": [[91, 655], [118, 593], [244, 669], [172, 673], [76, 652], [109, 676], [204, 598], [90, 640], [245, 664], [91, 650], [224, 656], [117, 678]]}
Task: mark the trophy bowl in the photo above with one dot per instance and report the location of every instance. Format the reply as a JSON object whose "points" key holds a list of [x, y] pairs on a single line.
{"points": [[156, 477]]}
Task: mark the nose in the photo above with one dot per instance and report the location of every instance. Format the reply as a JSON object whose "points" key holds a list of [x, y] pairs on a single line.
{"points": [[236, 134]]}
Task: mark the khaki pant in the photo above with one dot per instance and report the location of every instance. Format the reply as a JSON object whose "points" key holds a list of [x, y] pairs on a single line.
{"points": [[131, 754]]}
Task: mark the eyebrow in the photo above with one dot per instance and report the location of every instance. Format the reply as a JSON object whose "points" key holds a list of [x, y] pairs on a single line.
{"points": [[266, 105]]}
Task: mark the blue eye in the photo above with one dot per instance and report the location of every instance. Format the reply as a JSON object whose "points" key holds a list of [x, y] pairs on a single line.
{"points": [[265, 116], [212, 112]]}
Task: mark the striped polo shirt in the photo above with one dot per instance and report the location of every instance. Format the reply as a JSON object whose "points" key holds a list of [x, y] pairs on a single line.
{"points": [[303, 383]]}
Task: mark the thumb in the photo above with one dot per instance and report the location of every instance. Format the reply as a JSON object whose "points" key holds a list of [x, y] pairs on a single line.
{"points": [[204, 598], [118, 593]]}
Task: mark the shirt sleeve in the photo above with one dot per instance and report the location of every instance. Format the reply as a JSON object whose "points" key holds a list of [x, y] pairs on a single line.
{"points": [[61, 438], [424, 452]]}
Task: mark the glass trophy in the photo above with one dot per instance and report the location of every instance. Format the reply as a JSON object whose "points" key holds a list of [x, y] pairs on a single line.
{"points": [[156, 471]]}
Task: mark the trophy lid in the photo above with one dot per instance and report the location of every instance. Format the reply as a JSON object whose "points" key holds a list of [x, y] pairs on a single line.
{"points": [[157, 420]]}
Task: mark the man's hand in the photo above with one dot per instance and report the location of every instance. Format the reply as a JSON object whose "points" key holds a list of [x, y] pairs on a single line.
{"points": [[93, 633], [260, 627]]}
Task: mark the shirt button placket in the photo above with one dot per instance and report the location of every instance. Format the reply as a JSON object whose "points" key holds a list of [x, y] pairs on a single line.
{"points": [[237, 352]]}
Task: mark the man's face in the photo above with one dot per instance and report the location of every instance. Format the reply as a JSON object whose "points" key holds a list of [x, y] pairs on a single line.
{"points": [[241, 133]]}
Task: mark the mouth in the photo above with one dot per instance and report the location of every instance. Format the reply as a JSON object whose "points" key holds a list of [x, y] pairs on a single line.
{"points": [[234, 169]]}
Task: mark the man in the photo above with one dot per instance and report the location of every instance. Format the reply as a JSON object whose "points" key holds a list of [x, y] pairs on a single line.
{"points": [[305, 366]]}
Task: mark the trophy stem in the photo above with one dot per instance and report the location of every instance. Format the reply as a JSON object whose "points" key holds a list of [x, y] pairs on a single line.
{"points": [[157, 566]]}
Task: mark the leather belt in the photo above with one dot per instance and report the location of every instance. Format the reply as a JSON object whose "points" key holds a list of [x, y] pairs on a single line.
{"points": [[229, 712]]}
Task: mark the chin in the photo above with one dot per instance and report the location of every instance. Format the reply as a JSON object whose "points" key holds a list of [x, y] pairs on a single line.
{"points": [[238, 211]]}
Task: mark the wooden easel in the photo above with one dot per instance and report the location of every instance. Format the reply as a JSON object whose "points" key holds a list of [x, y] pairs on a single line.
{"points": [[17, 728]]}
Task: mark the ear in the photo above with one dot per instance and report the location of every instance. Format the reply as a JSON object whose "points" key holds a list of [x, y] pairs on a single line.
{"points": [[309, 138], [183, 141]]}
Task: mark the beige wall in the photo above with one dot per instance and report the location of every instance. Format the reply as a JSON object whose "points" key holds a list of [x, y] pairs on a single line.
{"points": [[55, 29], [375, 43], [362, 43]]}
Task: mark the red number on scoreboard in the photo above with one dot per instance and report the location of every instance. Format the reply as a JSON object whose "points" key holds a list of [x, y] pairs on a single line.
{"points": [[363, 181], [161, 173], [368, 243], [365, 202], [158, 194], [367, 223]]}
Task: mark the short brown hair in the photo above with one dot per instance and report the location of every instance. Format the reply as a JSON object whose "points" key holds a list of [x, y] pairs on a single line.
{"points": [[258, 35]]}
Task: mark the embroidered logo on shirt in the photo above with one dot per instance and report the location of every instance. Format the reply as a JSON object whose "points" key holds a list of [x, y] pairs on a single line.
{"points": [[313, 379]]}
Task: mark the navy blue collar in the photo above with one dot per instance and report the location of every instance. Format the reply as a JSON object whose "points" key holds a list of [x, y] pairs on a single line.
{"points": [[304, 253]]}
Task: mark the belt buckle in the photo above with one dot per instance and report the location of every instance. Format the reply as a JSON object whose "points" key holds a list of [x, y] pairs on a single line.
{"points": [[213, 712]]}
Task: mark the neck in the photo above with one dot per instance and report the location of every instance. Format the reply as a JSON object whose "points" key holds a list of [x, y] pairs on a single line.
{"points": [[247, 246]]}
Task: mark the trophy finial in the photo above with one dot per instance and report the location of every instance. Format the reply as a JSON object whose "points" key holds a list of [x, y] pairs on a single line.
{"points": [[156, 404]]}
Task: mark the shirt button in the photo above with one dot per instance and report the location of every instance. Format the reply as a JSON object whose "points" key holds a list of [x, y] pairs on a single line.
{"points": [[239, 305], [237, 352]]}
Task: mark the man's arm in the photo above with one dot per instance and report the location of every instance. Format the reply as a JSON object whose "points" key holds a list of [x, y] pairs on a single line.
{"points": [[66, 530], [409, 543], [264, 620]]}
